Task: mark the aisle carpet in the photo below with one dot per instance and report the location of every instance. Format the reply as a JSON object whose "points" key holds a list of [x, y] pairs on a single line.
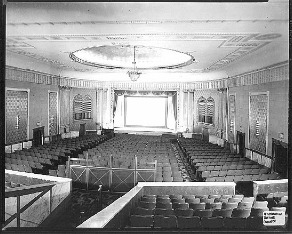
{"points": [[83, 205]]}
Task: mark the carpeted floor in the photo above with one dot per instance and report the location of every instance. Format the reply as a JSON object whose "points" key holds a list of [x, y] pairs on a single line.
{"points": [[83, 205]]}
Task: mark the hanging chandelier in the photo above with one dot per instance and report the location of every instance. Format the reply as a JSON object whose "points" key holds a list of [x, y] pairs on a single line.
{"points": [[134, 74]]}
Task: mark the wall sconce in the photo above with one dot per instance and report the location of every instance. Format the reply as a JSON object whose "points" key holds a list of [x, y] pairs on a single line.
{"points": [[281, 135], [17, 122]]}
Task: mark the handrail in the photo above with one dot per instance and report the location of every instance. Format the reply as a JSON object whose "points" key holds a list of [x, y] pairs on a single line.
{"points": [[25, 189]]}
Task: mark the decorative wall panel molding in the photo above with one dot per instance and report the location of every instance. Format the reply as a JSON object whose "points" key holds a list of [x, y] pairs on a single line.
{"points": [[232, 117], [53, 113], [258, 121], [16, 116]]}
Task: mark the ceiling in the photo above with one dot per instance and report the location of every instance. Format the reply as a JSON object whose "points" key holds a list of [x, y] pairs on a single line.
{"points": [[224, 39]]}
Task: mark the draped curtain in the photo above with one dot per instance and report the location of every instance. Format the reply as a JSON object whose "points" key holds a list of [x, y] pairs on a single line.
{"points": [[119, 109], [170, 114]]}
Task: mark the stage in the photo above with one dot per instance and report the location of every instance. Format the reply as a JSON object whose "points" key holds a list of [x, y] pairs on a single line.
{"points": [[145, 131]]}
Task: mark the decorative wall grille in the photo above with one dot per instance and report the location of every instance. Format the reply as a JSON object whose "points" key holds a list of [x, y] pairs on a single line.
{"points": [[258, 116], [16, 116], [206, 110], [53, 113], [82, 107]]}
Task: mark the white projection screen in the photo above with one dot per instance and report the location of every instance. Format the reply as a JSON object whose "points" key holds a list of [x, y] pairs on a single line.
{"points": [[145, 111]]}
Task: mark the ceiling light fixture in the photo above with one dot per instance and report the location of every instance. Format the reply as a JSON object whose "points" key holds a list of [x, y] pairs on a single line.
{"points": [[134, 74]]}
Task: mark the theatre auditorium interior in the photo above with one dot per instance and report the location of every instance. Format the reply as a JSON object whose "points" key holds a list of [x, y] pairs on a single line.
{"points": [[146, 116]]}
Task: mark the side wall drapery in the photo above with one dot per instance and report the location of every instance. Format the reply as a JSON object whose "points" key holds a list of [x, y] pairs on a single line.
{"points": [[120, 111], [107, 118], [170, 113], [187, 111], [190, 111], [104, 108]]}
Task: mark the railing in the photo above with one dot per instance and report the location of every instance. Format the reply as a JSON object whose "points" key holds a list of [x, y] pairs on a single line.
{"points": [[259, 157], [42, 189], [99, 191], [115, 179], [10, 148]]}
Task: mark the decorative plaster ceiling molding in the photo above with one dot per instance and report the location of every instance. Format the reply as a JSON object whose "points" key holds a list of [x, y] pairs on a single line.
{"points": [[229, 37], [46, 60], [146, 22], [121, 57], [244, 43]]}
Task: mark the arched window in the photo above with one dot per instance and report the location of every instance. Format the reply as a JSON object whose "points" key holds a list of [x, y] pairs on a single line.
{"points": [[206, 110], [82, 107]]}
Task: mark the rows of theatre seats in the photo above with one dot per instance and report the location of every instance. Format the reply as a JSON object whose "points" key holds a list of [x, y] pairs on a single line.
{"points": [[123, 149], [46, 158], [204, 212], [214, 163]]}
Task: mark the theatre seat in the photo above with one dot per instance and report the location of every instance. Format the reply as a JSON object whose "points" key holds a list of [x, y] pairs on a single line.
{"points": [[235, 223], [141, 220], [212, 222], [255, 223], [161, 221], [192, 222], [164, 212], [225, 213], [147, 205], [203, 213], [241, 213], [184, 212]]}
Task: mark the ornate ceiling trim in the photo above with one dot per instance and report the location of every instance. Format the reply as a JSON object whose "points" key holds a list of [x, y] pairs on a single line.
{"points": [[276, 72], [121, 57], [44, 59], [243, 43], [144, 22], [230, 37]]}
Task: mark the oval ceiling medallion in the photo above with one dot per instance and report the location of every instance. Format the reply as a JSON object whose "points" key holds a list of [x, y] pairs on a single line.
{"points": [[122, 56]]}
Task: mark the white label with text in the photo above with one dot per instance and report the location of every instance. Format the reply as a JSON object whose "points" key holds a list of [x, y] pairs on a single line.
{"points": [[274, 218]]}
